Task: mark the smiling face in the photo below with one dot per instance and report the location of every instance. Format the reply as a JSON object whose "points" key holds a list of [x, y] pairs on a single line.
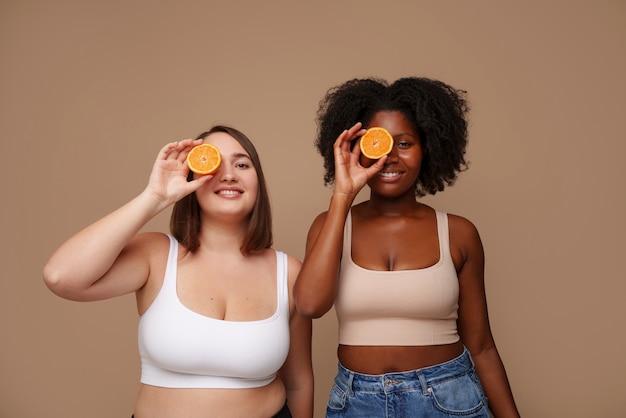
{"points": [[402, 168], [234, 187]]}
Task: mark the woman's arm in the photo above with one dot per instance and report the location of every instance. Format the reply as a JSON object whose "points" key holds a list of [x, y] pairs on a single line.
{"points": [[473, 321], [316, 286], [108, 258], [297, 372], [317, 283]]}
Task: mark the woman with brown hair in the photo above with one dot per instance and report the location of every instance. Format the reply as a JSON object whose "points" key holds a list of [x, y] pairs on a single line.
{"points": [[218, 331]]}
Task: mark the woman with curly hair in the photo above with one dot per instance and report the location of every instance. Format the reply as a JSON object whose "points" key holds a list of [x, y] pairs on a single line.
{"points": [[406, 280]]}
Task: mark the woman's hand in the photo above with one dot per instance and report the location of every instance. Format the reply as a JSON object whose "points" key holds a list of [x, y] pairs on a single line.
{"points": [[168, 180], [350, 175]]}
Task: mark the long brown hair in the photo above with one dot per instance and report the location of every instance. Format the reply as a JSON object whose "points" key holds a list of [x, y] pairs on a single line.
{"points": [[185, 219]]}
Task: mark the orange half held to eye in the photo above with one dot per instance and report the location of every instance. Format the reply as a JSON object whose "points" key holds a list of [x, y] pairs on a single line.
{"points": [[204, 159], [376, 142]]}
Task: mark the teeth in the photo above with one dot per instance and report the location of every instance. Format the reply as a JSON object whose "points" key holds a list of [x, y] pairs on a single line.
{"points": [[229, 192], [389, 174]]}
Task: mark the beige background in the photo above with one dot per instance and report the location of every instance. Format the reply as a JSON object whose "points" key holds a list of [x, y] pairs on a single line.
{"points": [[90, 91]]}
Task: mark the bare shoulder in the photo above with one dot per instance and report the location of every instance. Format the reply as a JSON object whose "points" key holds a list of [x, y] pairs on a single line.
{"points": [[319, 220], [293, 263], [269, 255], [155, 247], [152, 238], [150, 243], [465, 242], [293, 268], [316, 226], [462, 227]]}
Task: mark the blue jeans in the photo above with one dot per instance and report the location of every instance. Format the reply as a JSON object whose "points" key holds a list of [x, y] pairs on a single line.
{"points": [[449, 389]]}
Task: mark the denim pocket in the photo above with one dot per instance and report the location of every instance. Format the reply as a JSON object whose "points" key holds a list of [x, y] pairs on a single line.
{"points": [[337, 399], [462, 395]]}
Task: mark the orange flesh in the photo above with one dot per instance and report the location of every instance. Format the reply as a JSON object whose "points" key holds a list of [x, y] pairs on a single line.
{"points": [[204, 159], [376, 142]]}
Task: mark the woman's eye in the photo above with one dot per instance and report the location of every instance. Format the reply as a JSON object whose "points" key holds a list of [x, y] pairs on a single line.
{"points": [[242, 165]]}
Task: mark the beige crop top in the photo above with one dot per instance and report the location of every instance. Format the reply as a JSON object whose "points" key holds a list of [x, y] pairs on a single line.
{"points": [[402, 307]]}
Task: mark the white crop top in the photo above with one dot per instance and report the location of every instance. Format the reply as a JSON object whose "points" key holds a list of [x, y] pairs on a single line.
{"points": [[180, 348], [402, 307]]}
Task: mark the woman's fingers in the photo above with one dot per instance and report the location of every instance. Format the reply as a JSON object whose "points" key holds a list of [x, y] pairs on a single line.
{"points": [[178, 150], [345, 138], [353, 132], [166, 150], [377, 166], [198, 181]]}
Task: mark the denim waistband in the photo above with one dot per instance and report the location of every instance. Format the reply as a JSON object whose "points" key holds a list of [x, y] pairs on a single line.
{"points": [[412, 379]]}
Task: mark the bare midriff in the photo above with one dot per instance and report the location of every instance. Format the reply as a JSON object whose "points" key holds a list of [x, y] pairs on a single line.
{"points": [[388, 359], [159, 402]]}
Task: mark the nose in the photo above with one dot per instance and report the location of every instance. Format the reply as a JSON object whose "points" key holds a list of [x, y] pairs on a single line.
{"points": [[227, 174], [392, 157]]}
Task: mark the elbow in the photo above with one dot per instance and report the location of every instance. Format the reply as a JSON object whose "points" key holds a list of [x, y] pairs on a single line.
{"points": [[57, 282], [309, 314], [311, 301], [309, 309], [52, 278]]}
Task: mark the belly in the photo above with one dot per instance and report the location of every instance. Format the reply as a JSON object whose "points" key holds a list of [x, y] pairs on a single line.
{"points": [[387, 359], [159, 402]]}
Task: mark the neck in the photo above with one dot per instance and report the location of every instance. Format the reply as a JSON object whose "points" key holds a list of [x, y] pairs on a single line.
{"points": [[402, 205], [217, 236]]}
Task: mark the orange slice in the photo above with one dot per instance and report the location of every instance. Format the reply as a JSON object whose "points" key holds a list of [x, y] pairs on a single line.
{"points": [[376, 142], [204, 159]]}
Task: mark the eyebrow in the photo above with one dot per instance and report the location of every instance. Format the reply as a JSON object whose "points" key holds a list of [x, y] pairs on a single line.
{"points": [[401, 134], [240, 155]]}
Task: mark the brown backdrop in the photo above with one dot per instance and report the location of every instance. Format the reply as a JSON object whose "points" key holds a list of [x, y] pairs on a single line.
{"points": [[89, 92]]}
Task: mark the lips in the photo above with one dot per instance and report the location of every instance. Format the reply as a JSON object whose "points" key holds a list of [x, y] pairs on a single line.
{"points": [[229, 192], [389, 174]]}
